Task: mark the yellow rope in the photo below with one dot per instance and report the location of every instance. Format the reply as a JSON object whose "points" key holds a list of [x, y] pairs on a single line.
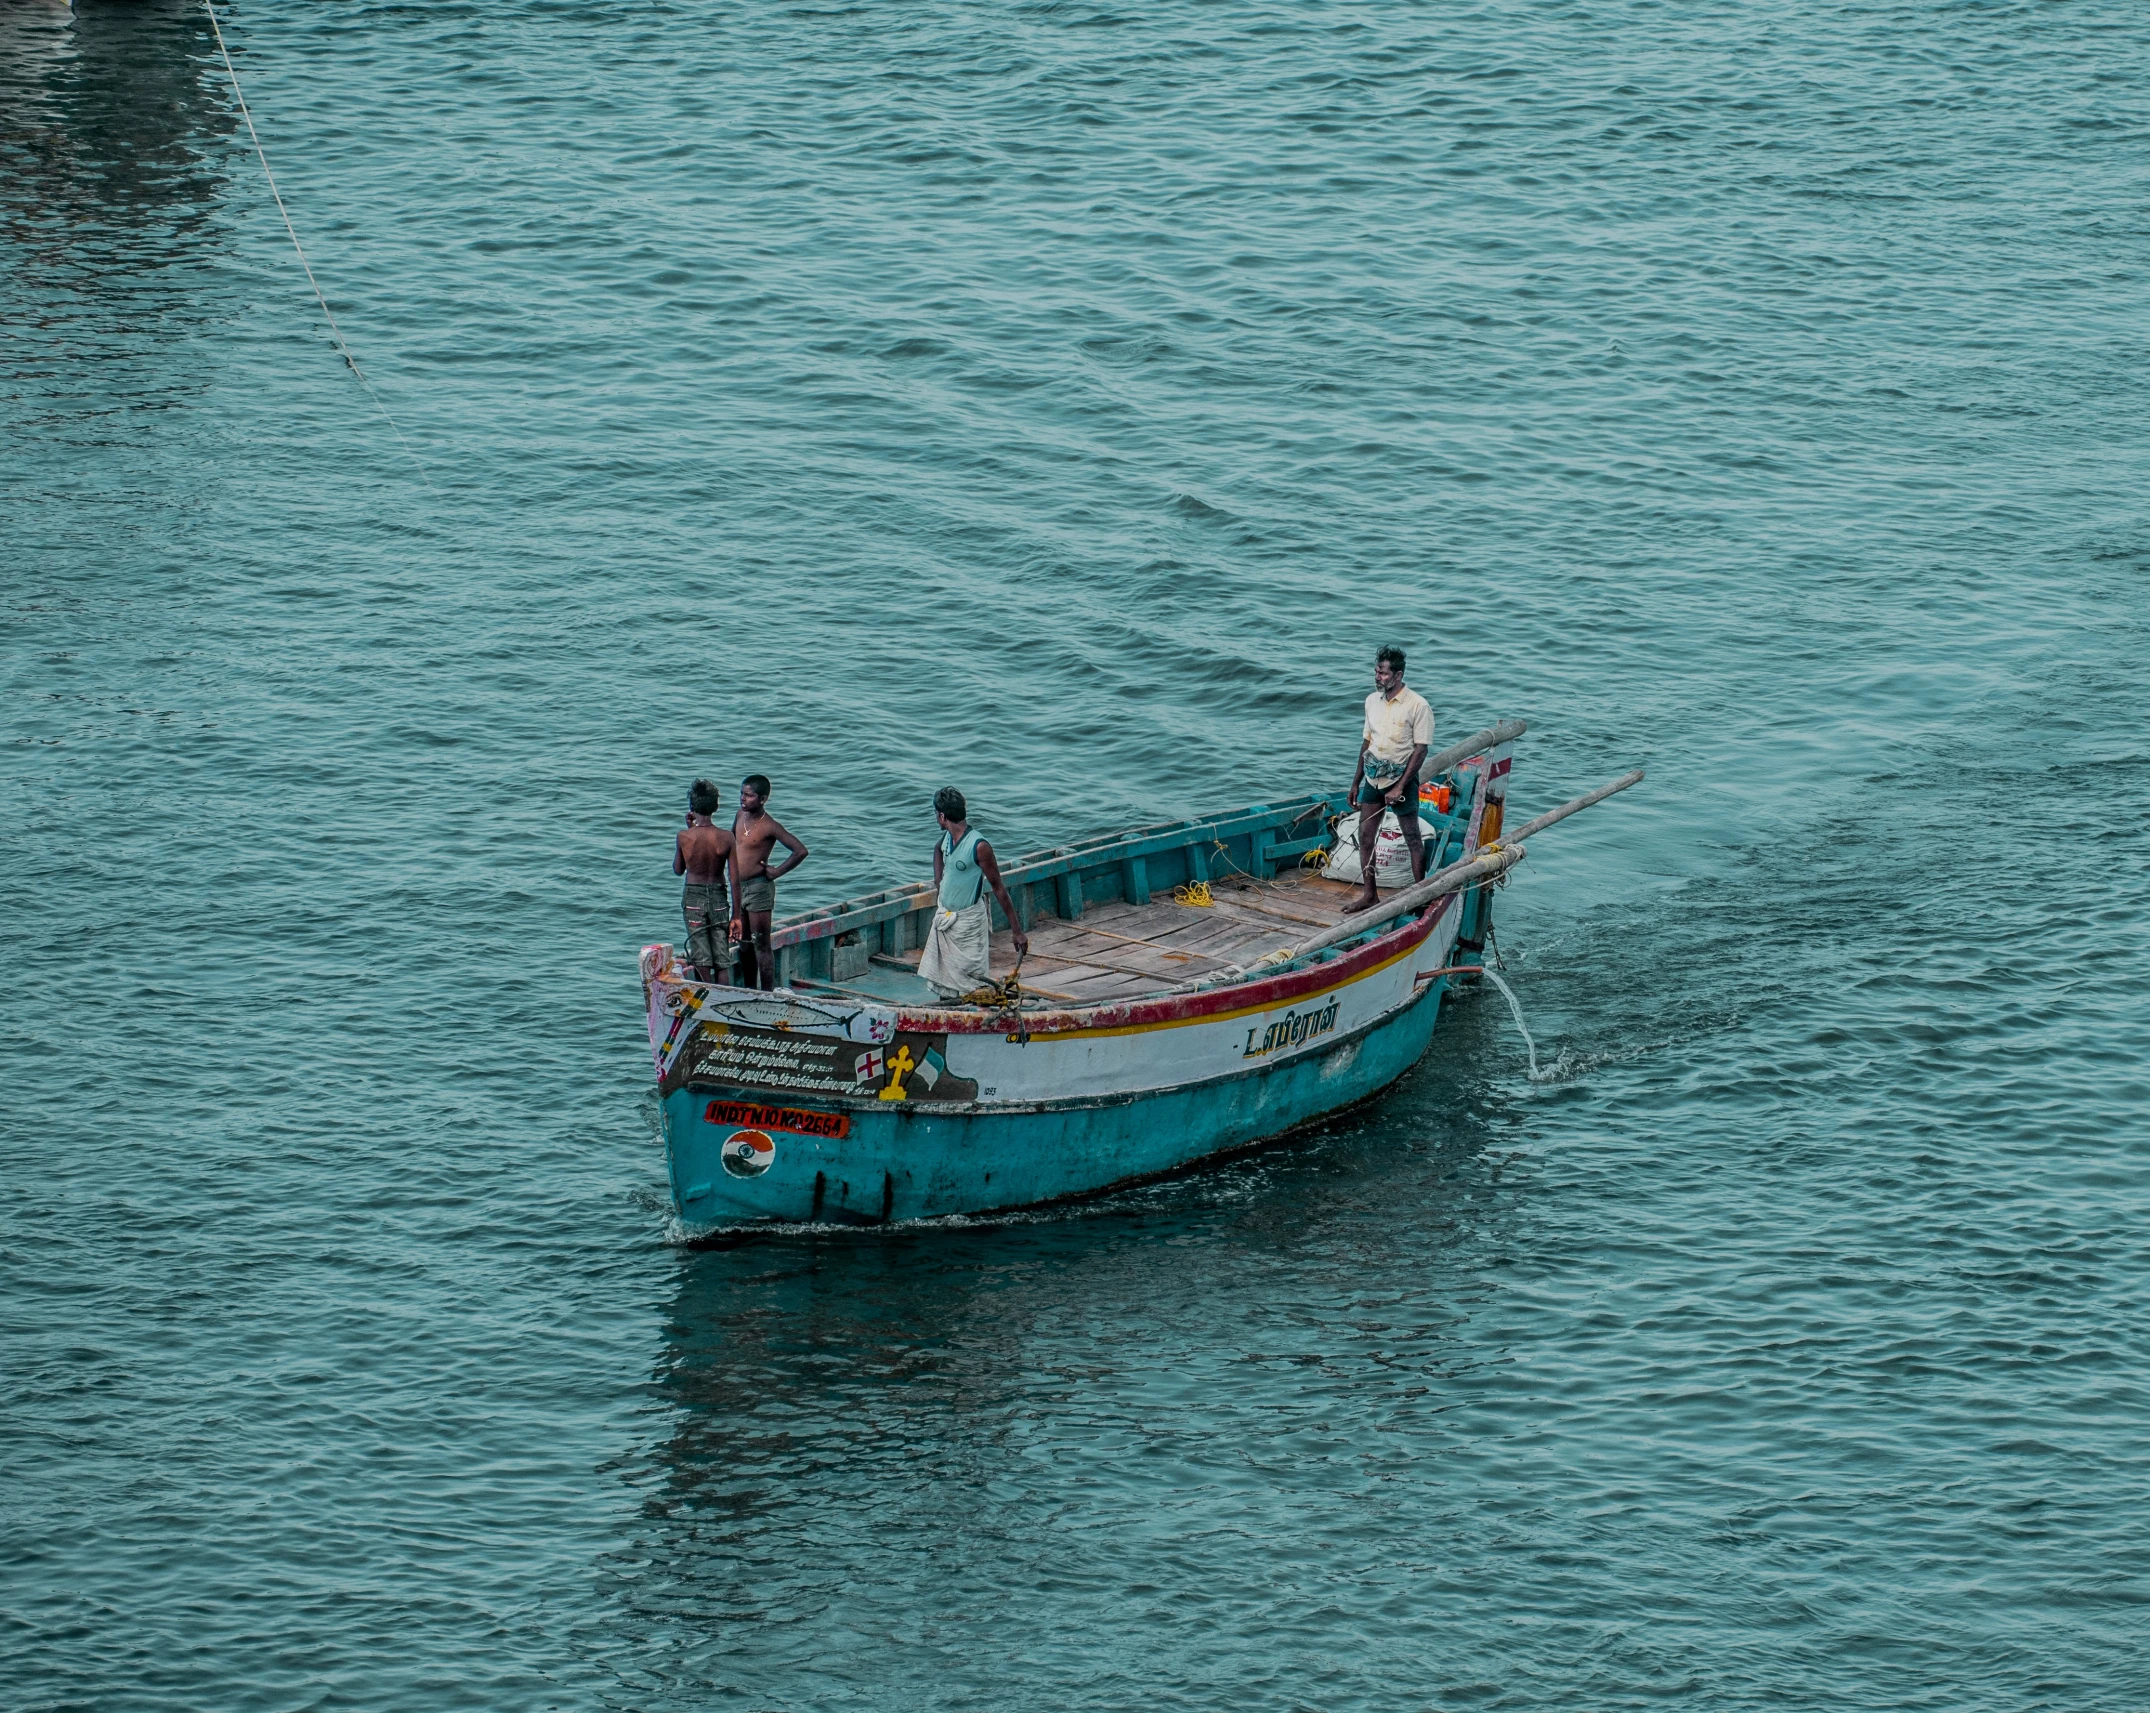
{"points": [[1195, 893], [1004, 994], [1006, 997]]}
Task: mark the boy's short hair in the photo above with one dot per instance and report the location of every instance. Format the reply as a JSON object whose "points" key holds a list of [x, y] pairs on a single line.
{"points": [[949, 801], [1390, 653], [760, 782], [703, 798]]}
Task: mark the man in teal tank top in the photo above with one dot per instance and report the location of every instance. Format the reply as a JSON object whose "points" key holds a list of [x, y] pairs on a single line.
{"points": [[959, 947]]}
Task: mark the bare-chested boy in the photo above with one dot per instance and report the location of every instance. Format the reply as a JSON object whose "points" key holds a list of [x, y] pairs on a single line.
{"points": [[755, 833], [703, 853]]}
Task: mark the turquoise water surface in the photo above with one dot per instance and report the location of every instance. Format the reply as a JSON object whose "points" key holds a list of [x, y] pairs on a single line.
{"points": [[1062, 401]]}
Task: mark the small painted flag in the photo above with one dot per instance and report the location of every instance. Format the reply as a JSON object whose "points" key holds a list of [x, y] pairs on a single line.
{"points": [[870, 1066], [931, 1068]]}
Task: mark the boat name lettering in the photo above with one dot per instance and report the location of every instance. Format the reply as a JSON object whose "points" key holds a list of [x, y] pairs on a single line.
{"points": [[1290, 1030], [793, 1118]]}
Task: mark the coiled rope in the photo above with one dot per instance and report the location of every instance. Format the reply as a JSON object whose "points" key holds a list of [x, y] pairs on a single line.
{"points": [[335, 332], [1005, 995]]}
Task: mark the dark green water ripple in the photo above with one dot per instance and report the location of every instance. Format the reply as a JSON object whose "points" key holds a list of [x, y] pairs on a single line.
{"points": [[1063, 400]]}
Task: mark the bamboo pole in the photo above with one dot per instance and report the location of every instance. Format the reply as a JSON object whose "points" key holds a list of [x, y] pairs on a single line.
{"points": [[1454, 877], [1485, 865], [1506, 732], [1473, 870], [1566, 809]]}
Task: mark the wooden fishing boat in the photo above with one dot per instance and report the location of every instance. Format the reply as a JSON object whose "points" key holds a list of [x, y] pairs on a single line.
{"points": [[1190, 989]]}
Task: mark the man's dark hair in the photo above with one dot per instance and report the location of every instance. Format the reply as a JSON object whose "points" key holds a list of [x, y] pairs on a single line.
{"points": [[949, 801], [1390, 653], [703, 798], [760, 782]]}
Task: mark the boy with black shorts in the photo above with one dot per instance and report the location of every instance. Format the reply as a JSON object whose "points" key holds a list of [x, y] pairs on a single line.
{"points": [[755, 833]]}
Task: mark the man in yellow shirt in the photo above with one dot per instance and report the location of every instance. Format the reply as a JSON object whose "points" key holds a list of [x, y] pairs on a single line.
{"points": [[1399, 730]]}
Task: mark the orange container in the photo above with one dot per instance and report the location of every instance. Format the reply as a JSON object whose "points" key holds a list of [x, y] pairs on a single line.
{"points": [[1439, 796]]}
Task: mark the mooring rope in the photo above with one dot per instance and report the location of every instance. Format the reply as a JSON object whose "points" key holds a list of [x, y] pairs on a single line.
{"points": [[342, 345]]}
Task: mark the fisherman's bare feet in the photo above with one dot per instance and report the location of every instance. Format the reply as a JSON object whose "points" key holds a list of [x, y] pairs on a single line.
{"points": [[1365, 900]]}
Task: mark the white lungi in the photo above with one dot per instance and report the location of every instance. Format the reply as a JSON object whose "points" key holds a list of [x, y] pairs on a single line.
{"points": [[959, 950]]}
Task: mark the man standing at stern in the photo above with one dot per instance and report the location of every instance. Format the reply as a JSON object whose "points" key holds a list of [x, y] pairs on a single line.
{"points": [[1399, 729], [959, 948]]}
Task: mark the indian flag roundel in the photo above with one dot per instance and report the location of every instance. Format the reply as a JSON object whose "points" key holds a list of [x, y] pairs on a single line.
{"points": [[748, 1153]]}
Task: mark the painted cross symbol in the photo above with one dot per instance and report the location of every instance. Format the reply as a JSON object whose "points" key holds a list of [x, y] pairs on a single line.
{"points": [[900, 1064]]}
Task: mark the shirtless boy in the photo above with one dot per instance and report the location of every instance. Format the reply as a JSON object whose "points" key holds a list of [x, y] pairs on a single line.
{"points": [[703, 853], [755, 833]]}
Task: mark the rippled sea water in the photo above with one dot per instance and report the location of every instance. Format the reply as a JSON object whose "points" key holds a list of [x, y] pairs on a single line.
{"points": [[1063, 400]]}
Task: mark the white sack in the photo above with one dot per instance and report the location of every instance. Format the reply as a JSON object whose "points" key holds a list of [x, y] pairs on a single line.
{"points": [[1392, 857]]}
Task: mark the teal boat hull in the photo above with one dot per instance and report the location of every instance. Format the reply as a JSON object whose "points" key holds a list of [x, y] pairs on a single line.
{"points": [[902, 1162]]}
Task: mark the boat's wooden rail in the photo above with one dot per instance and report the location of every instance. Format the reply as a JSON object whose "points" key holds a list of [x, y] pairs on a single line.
{"points": [[831, 944]]}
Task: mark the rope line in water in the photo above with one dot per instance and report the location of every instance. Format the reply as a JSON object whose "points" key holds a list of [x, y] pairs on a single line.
{"points": [[342, 345], [1529, 1045]]}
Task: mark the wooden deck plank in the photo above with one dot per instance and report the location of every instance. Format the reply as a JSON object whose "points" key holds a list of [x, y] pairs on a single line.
{"points": [[1268, 909], [1194, 931], [1061, 970], [1130, 961], [1157, 943], [1278, 911], [1094, 985]]}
